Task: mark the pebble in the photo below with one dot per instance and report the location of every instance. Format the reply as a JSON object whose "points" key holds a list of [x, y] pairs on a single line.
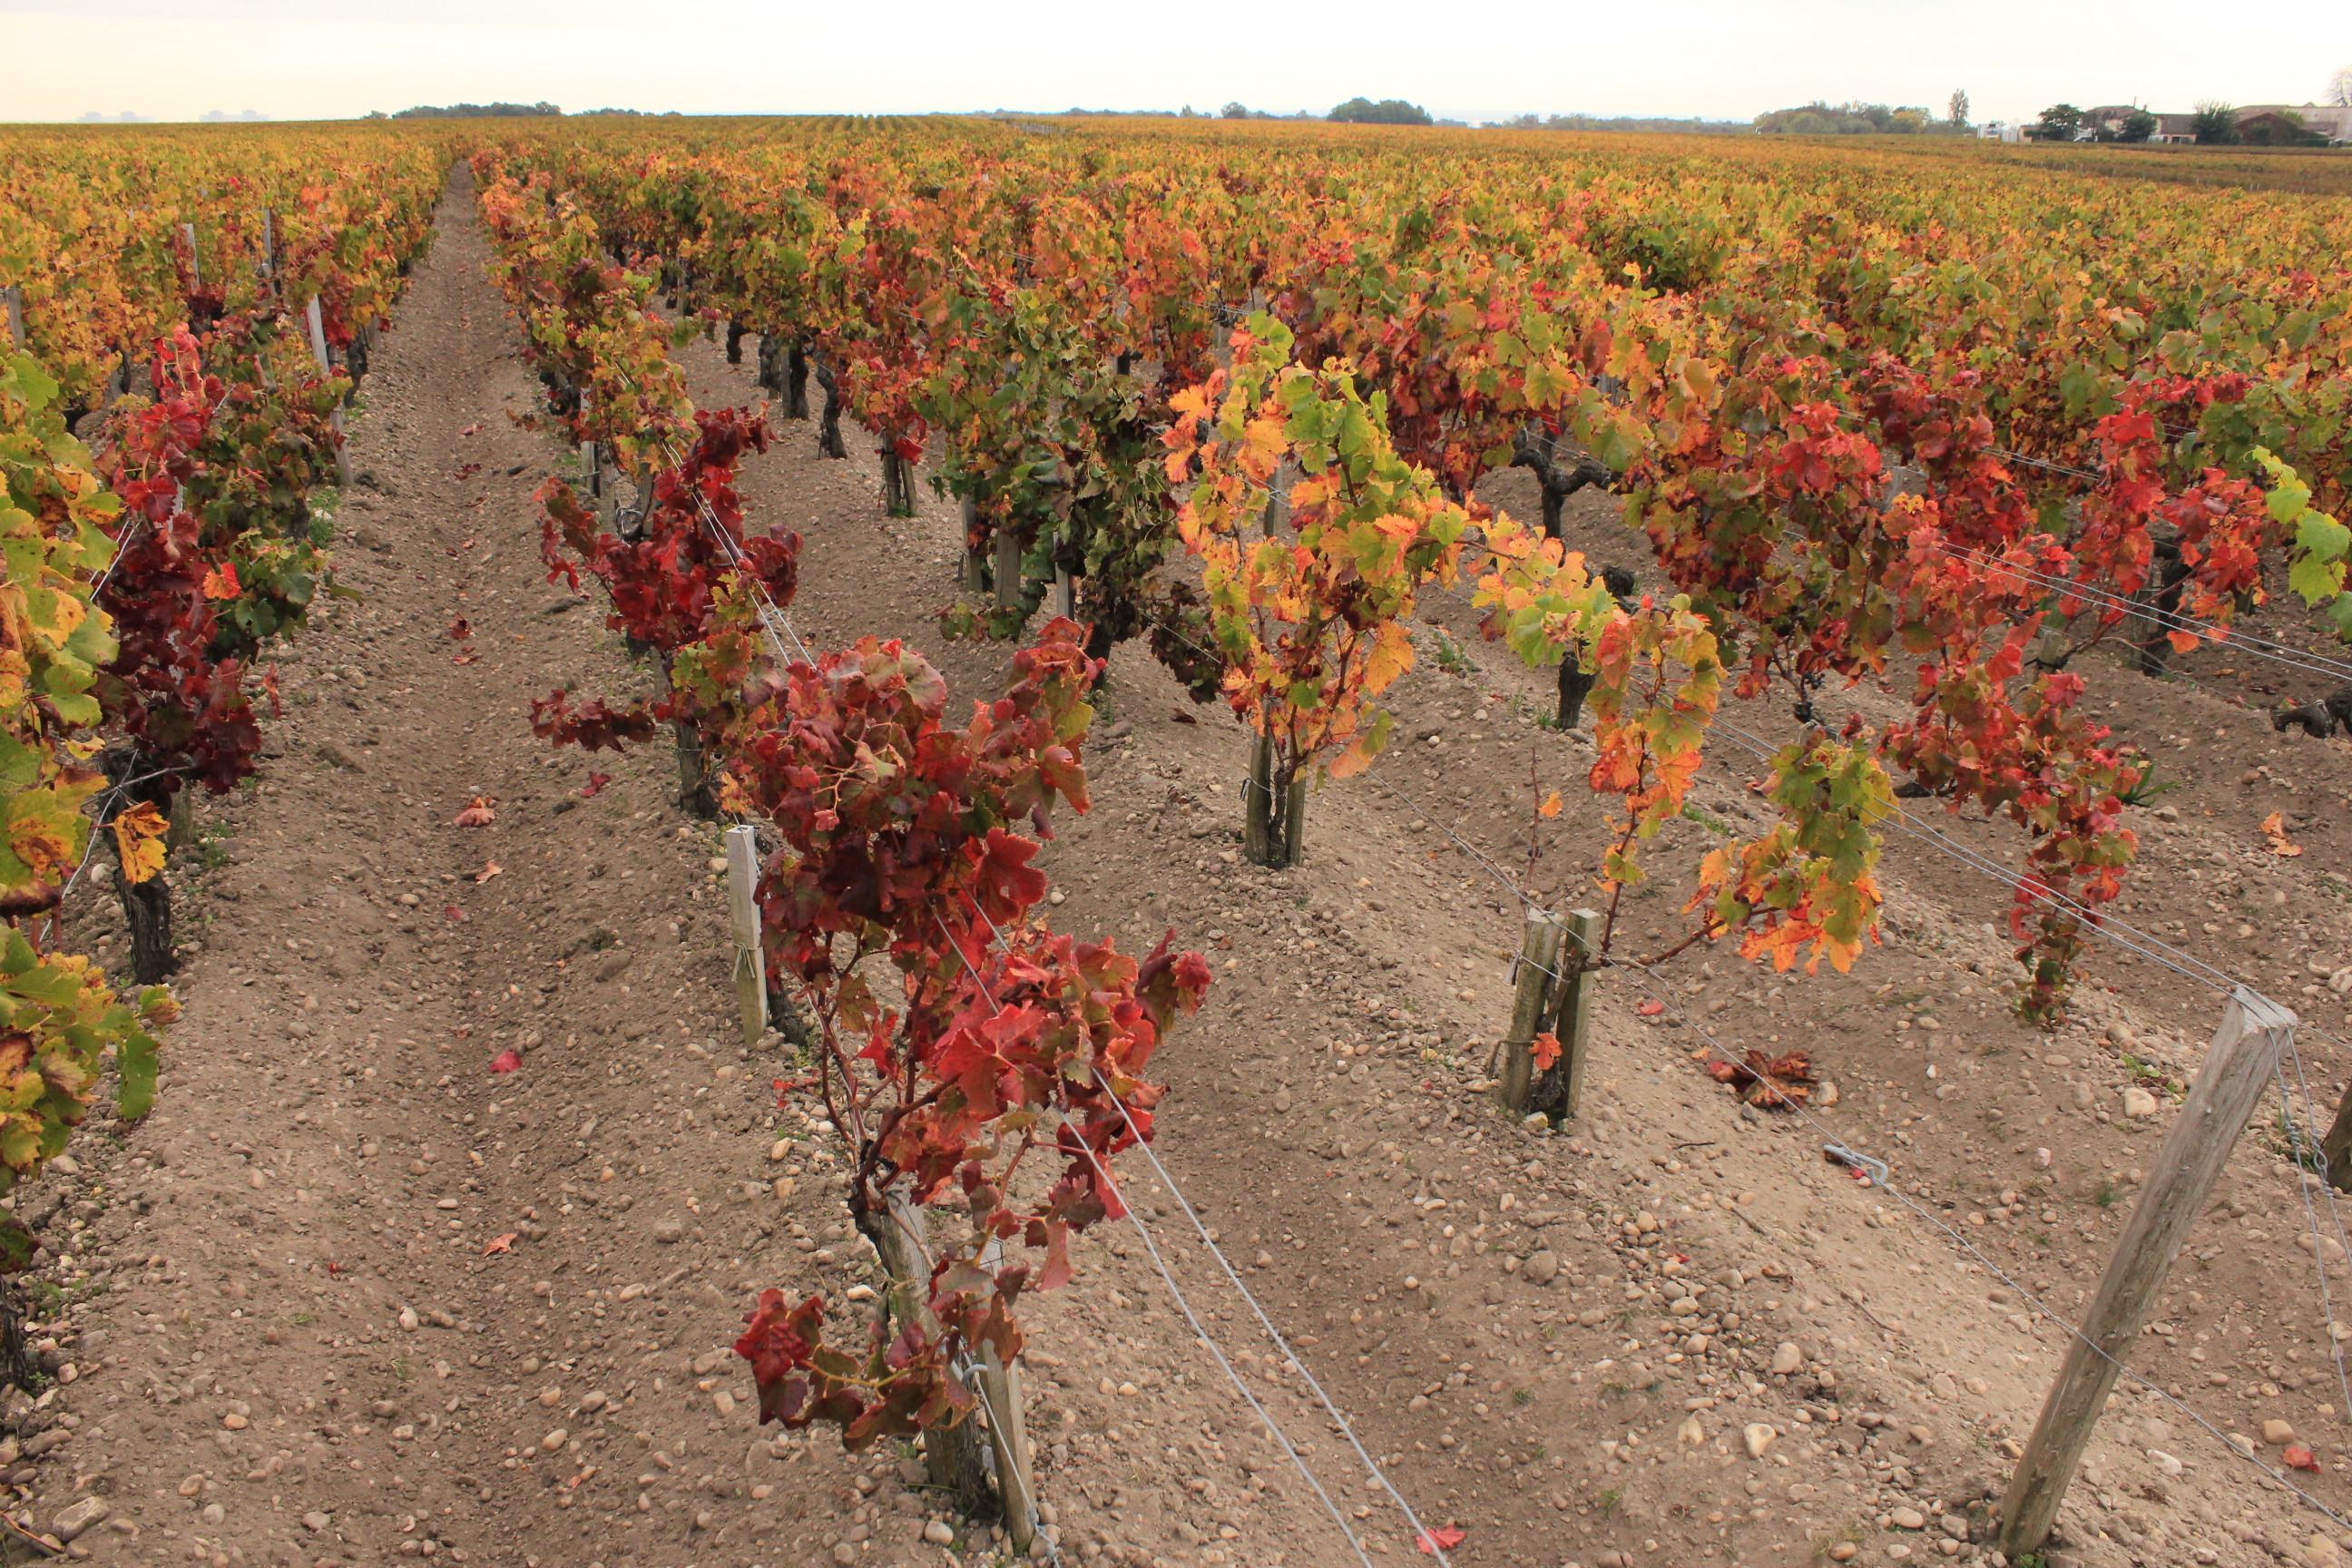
{"points": [[937, 1533], [555, 1439], [1786, 1358], [2277, 1432], [667, 1230], [1908, 1518], [409, 1320], [1541, 1267], [592, 1401], [1845, 1551], [1692, 1430], [315, 1521], [1758, 1437], [2138, 1104], [72, 1520]]}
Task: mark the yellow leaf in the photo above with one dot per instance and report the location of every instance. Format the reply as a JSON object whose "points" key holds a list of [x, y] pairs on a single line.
{"points": [[1550, 807], [139, 840]]}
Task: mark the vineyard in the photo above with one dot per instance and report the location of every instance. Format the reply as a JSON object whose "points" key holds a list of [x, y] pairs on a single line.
{"points": [[778, 843]]}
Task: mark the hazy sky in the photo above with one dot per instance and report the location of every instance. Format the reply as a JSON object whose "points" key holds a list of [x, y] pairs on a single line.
{"points": [[1717, 58]]}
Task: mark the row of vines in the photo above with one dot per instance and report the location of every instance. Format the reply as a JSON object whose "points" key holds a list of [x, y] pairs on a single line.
{"points": [[187, 319]]}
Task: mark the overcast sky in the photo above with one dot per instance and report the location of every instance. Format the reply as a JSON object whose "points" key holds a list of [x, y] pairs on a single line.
{"points": [[175, 59]]}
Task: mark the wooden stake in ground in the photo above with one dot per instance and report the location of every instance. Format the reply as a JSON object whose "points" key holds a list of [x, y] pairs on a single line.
{"points": [[1008, 567], [326, 367], [1008, 1434], [1272, 827], [743, 916], [902, 1238], [1539, 945], [1559, 1091], [15, 298], [2238, 1066]]}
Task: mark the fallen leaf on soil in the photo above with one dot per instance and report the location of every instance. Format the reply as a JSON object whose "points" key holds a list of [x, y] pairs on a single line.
{"points": [[1181, 717], [508, 1061], [501, 1243], [1650, 1009], [1436, 1541], [452, 911], [2275, 829], [477, 815], [2299, 1458], [596, 784], [1545, 1050], [460, 629], [1550, 807], [473, 429], [1771, 1083], [487, 872], [469, 470], [463, 657]]}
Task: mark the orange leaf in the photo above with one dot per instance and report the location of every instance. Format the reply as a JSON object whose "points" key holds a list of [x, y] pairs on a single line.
{"points": [[500, 1244], [452, 911], [1650, 1009], [1546, 1048], [222, 584], [1550, 807], [477, 815], [487, 872], [1436, 1541], [2299, 1458], [2275, 829]]}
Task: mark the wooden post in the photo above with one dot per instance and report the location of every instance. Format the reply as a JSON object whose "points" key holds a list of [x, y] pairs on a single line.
{"points": [[326, 367], [1573, 1026], [1065, 594], [1008, 568], [1008, 1434], [2337, 1147], [903, 1241], [2238, 1070], [743, 916], [196, 264], [268, 246], [1540, 943], [15, 298]]}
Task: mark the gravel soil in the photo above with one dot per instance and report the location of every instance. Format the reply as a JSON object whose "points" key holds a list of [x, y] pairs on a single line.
{"points": [[349, 1295]]}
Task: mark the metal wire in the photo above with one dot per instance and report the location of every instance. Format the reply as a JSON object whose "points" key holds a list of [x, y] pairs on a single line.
{"points": [[1175, 1290]]}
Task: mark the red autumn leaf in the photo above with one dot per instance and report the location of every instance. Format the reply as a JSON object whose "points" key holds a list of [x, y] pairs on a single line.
{"points": [[1545, 1048], [452, 911], [1650, 1009], [222, 582], [594, 786], [2299, 1458], [477, 815], [460, 629], [508, 1061], [1443, 1538], [1768, 1083], [473, 429], [500, 1244], [463, 657]]}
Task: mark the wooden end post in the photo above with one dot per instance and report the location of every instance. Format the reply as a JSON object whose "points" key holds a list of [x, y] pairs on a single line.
{"points": [[15, 298], [326, 367], [2238, 1070], [743, 916], [1539, 945], [1008, 1434], [1573, 1024]]}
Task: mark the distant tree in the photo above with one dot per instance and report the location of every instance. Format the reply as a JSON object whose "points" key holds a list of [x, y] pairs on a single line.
{"points": [[1820, 118], [2215, 122], [2339, 88], [1235, 110], [2137, 126], [477, 111], [1387, 111], [1957, 111], [2059, 122]]}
